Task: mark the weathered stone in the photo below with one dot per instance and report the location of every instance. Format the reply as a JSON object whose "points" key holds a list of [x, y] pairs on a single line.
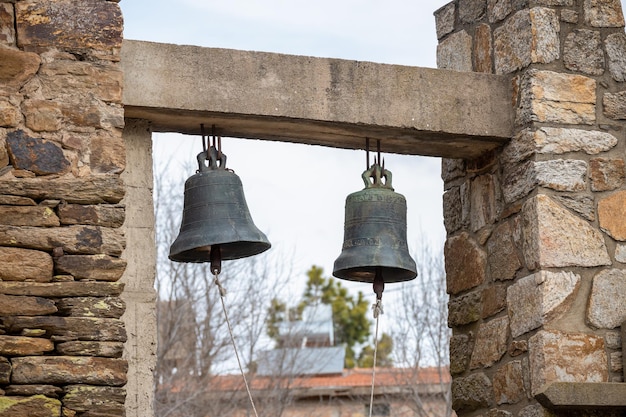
{"points": [[498, 10], [484, 200], [4, 155], [483, 49], [472, 392], [108, 155], [554, 237], [556, 356], [452, 210], [529, 36], [613, 339], [615, 105], [548, 96], [517, 347], [43, 26], [12, 200], [465, 309], [562, 174], [620, 253], [28, 216], [615, 45], [42, 115], [615, 359], [606, 174], [28, 390], [471, 11], [452, 169], [583, 205], [519, 180], [502, 256], [508, 383], [603, 13], [611, 214], [62, 289], [98, 215], [103, 349], [35, 406], [569, 16], [93, 190], [494, 300], [70, 328], [455, 52], [25, 306], [10, 115], [93, 267], [17, 67], [18, 264], [490, 343], [111, 307], [37, 155], [460, 352], [24, 346], [535, 410], [95, 399], [583, 52], [7, 24], [64, 370], [73, 239], [5, 371], [536, 299], [607, 302], [465, 263], [444, 20], [552, 140]]}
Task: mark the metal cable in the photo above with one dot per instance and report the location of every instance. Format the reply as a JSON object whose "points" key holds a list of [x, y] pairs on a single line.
{"points": [[232, 339]]}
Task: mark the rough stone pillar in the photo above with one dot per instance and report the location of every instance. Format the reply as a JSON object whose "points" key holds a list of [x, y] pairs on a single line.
{"points": [[536, 245], [61, 236]]}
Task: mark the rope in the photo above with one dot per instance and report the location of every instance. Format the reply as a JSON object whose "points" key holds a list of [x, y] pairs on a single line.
{"points": [[222, 291], [378, 310]]}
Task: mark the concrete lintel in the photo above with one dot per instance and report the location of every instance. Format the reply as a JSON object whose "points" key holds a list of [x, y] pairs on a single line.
{"points": [[584, 395], [321, 101]]}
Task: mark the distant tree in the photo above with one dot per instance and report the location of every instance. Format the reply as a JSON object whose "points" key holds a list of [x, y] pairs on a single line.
{"points": [[384, 353]]}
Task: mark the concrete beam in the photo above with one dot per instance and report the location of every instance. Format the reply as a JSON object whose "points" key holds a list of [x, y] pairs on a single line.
{"points": [[320, 101]]}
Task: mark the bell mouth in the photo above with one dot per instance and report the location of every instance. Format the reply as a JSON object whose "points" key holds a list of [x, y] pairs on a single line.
{"points": [[228, 251], [368, 273]]}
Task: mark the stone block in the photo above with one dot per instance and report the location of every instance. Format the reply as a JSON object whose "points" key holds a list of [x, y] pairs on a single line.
{"points": [[103, 349], [108, 307], [554, 237], [465, 309], [444, 19], [472, 392], [10, 116], [37, 155], [18, 264], [490, 343], [49, 391], [566, 357], [5, 371], [15, 305], [95, 399], [35, 406], [17, 67], [611, 214], [603, 13], [484, 201], [7, 24], [24, 346], [43, 115], [606, 174], [517, 347], [614, 105], [502, 255], [583, 205], [494, 300], [562, 174], [452, 210], [497, 10], [108, 155], [620, 253], [472, 11], [582, 52], [41, 26], [39, 216], [483, 49], [555, 140], [70, 328], [615, 45], [455, 52], [528, 36], [508, 383], [97, 215], [548, 96], [62, 289], [63, 370], [92, 267], [461, 346], [607, 302], [569, 16], [452, 169], [465, 263], [536, 299]]}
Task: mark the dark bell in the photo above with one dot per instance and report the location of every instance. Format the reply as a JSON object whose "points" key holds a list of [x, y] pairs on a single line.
{"points": [[216, 215], [374, 242]]}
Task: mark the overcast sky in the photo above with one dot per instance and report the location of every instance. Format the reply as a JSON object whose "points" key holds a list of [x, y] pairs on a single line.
{"points": [[296, 193]]}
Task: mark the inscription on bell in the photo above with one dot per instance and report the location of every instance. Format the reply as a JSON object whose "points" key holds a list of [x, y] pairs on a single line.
{"points": [[362, 241]]}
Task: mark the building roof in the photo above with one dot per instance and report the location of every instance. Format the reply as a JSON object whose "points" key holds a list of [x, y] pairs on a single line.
{"points": [[298, 362]]}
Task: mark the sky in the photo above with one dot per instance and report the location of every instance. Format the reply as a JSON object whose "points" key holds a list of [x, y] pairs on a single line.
{"points": [[296, 193]]}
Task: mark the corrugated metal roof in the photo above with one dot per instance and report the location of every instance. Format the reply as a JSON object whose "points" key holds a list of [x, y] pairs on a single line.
{"points": [[305, 361]]}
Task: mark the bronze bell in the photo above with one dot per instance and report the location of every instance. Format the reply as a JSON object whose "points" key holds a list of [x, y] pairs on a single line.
{"points": [[374, 247], [216, 223]]}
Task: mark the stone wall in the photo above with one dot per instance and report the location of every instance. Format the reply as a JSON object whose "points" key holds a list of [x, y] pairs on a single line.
{"points": [[536, 245], [61, 221]]}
